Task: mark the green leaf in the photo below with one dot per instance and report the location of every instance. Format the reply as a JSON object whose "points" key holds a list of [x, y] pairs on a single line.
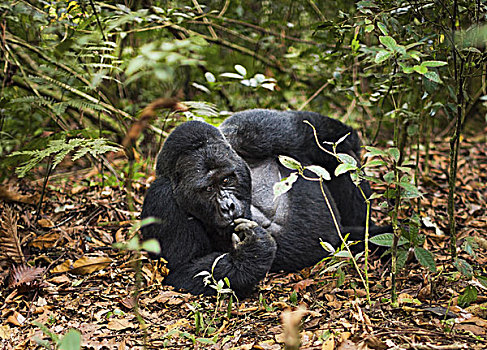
{"points": [[468, 296], [434, 63], [231, 75], [344, 168], [152, 246], [342, 254], [425, 258], [71, 340], [374, 151], [420, 69], [382, 56], [463, 267], [373, 163], [206, 341], [341, 139], [386, 239], [382, 28], [406, 69], [402, 257], [482, 280], [389, 177], [388, 42], [210, 77], [411, 190], [284, 185], [290, 163], [394, 153], [347, 159], [320, 171], [433, 76], [241, 69]]}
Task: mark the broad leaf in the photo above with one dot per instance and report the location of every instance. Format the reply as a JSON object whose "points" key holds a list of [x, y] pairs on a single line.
{"points": [[425, 258], [388, 42], [344, 168], [385, 240], [290, 163], [284, 185], [320, 171], [241, 69], [434, 63]]}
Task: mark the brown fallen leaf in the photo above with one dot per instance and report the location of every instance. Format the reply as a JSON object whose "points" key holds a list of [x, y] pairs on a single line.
{"points": [[291, 321], [64, 267], [301, 285], [48, 240], [329, 343], [26, 277], [16, 319], [12, 196], [347, 345], [45, 223], [9, 239], [119, 324], [88, 264]]}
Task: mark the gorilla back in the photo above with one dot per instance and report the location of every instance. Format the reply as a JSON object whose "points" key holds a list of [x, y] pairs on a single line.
{"points": [[214, 198]]}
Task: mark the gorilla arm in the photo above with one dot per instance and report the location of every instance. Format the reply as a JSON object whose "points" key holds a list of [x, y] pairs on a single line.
{"points": [[264, 133], [190, 249]]}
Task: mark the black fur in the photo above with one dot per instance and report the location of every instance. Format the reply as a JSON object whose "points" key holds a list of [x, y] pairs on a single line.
{"points": [[207, 178]]}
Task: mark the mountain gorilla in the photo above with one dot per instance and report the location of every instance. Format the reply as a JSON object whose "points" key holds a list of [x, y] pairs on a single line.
{"points": [[214, 196]]}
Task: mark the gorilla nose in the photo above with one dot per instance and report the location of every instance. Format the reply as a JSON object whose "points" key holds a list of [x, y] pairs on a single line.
{"points": [[228, 207]]}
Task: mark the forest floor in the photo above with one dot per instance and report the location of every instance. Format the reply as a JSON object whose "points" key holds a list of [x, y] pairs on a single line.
{"points": [[76, 279]]}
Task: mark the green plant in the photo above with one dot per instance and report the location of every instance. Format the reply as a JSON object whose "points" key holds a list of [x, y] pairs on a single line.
{"points": [[69, 341], [56, 150], [223, 289]]}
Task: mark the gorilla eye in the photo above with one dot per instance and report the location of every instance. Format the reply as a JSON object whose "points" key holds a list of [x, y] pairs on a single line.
{"points": [[226, 180]]}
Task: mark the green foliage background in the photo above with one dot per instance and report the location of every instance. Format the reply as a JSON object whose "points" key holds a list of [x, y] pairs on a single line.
{"points": [[68, 65]]}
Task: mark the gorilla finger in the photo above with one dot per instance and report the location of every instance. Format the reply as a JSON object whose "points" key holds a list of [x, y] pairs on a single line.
{"points": [[235, 240], [246, 226]]}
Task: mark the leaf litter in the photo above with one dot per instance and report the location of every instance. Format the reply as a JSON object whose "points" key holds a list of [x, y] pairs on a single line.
{"points": [[61, 271]]}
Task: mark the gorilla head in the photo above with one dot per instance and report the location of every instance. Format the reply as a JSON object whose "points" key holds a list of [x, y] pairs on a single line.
{"points": [[209, 180]]}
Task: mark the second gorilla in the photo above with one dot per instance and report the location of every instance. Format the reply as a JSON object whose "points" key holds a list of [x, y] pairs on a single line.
{"points": [[214, 196]]}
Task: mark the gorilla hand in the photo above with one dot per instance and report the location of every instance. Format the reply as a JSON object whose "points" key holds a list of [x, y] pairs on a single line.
{"points": [[245, 228]]}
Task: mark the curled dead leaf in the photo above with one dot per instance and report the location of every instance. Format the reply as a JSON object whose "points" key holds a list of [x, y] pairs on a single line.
{"points": [[45, 223], [64, 267], [48, 240], [88, 264], [16, 319]]}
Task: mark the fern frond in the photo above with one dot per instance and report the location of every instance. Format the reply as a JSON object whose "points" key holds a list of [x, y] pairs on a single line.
{"points": [[59, 149]]}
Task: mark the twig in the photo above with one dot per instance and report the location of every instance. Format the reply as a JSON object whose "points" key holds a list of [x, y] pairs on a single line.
{"points": [[200, 11], [314, 95]]}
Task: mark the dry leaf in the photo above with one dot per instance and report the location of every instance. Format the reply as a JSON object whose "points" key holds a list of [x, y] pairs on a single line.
{"points": [[12, 196], [16, 319], [64, 267], [301, 285], [25, 276], [329, 343], [45, 223], [9, 239], [291, 321], [119, 324], [48, 240], [88, 264]]}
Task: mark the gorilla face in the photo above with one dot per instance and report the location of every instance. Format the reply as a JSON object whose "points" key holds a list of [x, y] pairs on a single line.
{"points": [[213, 185]]}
